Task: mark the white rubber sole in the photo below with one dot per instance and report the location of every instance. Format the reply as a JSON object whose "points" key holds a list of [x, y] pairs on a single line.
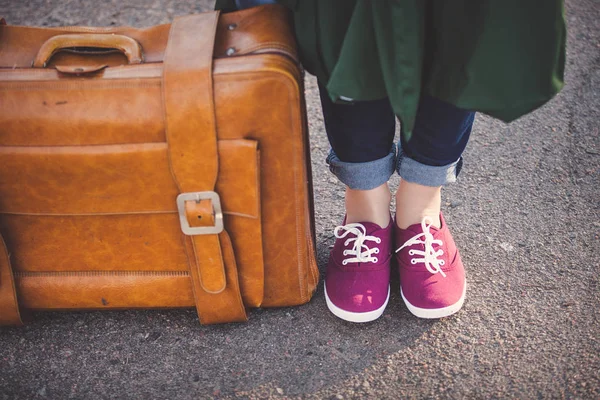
{"points": [[354, 316], [432, 313]]}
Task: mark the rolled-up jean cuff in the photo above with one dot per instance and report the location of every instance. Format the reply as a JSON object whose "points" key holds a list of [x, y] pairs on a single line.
{"points": [[363, 175], [427, 175]]}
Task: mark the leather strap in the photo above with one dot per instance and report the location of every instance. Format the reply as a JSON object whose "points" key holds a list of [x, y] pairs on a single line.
{"points": [[9, 307], [192, 139]]}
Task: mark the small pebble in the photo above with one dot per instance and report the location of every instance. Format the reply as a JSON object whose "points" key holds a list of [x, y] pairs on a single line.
{"points": [[507, 246]]}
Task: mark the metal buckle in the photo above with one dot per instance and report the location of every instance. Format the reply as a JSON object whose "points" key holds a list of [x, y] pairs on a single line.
{"points": [[197, 196]]}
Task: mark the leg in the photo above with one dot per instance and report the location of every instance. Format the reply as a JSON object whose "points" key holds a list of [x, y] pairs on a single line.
{"points": [[415, 201], [369, 205], [362, 157], [432, 276], [361, 136], [432, 157]]}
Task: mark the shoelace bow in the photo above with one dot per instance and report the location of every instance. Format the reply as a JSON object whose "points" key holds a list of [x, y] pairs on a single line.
{"points": [[430, 257], [360, 250]]}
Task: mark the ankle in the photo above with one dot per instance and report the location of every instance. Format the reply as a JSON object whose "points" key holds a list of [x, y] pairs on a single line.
{"points": [[369, 205], [415, 202], [406, 217]]}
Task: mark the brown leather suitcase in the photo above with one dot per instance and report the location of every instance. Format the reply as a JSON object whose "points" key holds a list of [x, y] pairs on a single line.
{"points": [[155, 168]]}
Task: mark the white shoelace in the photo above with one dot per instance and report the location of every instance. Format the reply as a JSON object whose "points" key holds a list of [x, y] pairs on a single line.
{"points": [[360, 250], [430, 257]]}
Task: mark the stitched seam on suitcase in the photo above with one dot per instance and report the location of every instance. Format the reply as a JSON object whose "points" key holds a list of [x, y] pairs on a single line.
{"points": [[152, 70], [276, 49], [88, 85], [299, 223], [40, 274], [281, 62]]}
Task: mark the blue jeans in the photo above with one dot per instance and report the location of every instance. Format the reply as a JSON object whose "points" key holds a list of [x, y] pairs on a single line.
{"points": [[363, 155], [361, 135], [242, 4]]}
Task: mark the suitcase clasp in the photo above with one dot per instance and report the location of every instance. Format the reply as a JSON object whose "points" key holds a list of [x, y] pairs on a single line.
{"points": [[217, 213]]}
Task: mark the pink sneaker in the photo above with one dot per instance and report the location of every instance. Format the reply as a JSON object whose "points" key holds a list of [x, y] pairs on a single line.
{"points": [[357, 282], [432, 276]]}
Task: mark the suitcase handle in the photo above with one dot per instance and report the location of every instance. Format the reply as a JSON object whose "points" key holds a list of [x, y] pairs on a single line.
{"points": [[126, 45]]}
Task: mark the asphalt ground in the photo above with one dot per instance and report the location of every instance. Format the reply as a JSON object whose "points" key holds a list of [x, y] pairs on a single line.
{"points": [[525, 214]]}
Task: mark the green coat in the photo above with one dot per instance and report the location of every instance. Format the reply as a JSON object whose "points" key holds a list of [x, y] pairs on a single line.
{"points": [[503, 58]]}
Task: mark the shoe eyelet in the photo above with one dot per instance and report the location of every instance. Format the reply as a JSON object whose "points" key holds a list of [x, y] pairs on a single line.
{"points": [[378, 240], [442, 262], [344, 262], [411, 252], [413, 261], [375, 260], [376, 251], [345, 252], [441, 252]]}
